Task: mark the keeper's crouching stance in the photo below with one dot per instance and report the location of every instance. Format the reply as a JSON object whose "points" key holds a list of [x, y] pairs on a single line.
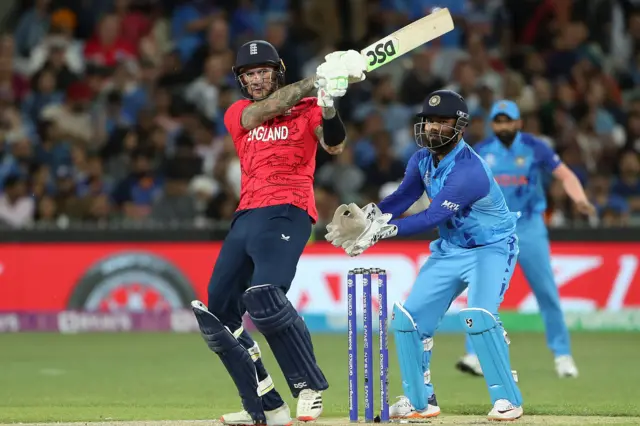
{"points": [[477, 249]]}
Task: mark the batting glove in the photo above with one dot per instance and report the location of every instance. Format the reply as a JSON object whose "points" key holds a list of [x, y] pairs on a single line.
{"points": [[324, 99], [352, 61], [333, 78]]}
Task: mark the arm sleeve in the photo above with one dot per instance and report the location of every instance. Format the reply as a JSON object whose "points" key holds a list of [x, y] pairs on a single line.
{"points": [[408, 192], [467, 183], [545, 156]]}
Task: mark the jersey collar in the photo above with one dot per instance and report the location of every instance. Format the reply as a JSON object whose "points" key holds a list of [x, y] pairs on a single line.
{"points": [[451, 154]]}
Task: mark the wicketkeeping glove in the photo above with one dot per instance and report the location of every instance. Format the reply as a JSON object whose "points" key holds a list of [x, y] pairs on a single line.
{"points": [[378, 229], [348, 223], [372, 211]]}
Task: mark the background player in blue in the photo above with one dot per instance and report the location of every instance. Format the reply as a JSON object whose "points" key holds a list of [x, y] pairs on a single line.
{"points": [[477, 249], [518, 161]]}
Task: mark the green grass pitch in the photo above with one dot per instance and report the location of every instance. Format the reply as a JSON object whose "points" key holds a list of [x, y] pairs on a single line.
{"points": [[114, 377]]}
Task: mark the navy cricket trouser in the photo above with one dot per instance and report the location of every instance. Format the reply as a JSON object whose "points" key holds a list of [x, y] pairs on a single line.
{"points": [[263, 247]]}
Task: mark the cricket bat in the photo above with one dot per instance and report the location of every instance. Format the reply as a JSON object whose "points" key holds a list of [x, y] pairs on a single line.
{"points": [[407, 38]]}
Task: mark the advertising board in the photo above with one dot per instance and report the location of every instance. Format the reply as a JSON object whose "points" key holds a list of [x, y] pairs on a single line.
{"points": [[599, 279]]}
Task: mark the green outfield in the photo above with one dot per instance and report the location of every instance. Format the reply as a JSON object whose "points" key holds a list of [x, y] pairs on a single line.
{"points": [[114, 377]]}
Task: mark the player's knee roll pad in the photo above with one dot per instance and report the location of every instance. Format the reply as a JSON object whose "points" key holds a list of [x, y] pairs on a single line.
{"points": [[491, 346], [234, 356], [218, 337], [287, 334], [410, 349]]}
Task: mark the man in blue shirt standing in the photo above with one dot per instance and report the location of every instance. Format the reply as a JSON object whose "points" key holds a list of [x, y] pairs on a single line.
{"points": [[477, 249], [519, 161]]}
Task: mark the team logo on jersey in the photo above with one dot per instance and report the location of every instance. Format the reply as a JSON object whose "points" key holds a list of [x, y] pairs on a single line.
{"points": [[435, 100], [427, 179], [268, 134], [451, 206], [520, 161], [490, 159]]}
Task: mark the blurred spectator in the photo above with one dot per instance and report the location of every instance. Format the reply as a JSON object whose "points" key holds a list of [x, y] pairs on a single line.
{"points": [[612, 209], [59, 50], [419, 81], [277, 33], [327, 201], [203, 189], [133, 24], [16, 207], [343, 175], [136, 194], [385, 168], [465, 83], [476, 131], [246, 22], [43, 94], [71, 120], [108, 46], [69, 204], [384, 102], [32, 27], [47, 213], [176, 203], [13, 86], [627, 185], [188, 24], [217, 44], [111, 111], [204, 92], [559, 206]]}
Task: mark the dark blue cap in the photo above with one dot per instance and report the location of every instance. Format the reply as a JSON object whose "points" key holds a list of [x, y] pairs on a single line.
{"points": [[444, 103], [257, 52]]}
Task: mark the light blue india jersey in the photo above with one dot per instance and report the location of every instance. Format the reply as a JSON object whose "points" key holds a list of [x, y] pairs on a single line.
{"points": [[467, 205], [519, 170]]}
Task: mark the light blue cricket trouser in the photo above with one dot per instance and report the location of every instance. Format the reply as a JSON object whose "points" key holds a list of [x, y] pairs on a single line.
{"points": [[486, 270], [535, 261]]}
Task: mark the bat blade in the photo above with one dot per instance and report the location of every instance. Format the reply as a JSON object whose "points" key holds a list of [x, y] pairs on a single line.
{"points": [[407, 38]]}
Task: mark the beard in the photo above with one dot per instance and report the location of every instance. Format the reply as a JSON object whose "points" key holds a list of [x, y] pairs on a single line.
{"points": [[506, 137]]}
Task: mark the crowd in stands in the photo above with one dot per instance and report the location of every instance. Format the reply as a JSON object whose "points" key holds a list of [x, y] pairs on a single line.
{"points": [[111, 110]]}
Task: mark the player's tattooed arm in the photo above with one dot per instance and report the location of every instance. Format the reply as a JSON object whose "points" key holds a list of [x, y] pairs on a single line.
{"points": [[277, 103], [331, 133]]}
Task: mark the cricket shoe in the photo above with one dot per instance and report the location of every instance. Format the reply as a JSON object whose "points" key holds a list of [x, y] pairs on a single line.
{"points": [[309, 405], [503, 410], [405, 411], [566, 367], [281, 416], [470, 364]]}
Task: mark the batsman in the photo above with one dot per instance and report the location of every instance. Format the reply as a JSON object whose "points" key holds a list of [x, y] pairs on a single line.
{"points": [[276, 131], [477, 248]]}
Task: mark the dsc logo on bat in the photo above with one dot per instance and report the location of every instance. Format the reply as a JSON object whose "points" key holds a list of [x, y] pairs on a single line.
{"points": [[382, 52]]}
